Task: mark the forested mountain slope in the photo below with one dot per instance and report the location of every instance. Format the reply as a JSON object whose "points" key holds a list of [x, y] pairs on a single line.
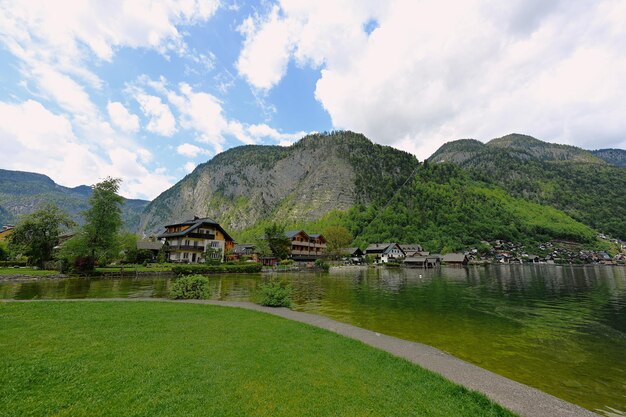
{"points": [[570, 179], [377, 192], [24, 192]]}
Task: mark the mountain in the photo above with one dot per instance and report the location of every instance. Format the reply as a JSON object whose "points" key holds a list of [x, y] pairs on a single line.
{"points": [[24, 192], [615, 157], [303, 182], [379, 193], [571, 179]]}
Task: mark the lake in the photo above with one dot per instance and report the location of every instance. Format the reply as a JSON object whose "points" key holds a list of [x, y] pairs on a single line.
{"points": [[558, 328]]}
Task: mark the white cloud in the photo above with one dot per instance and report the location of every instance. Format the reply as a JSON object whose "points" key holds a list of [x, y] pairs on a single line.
{"points": [[161, 119], [191, 151], [434, 71], [122, 118], [264, 57], [69, 29], [265, 131], [38, 140], [189, 167]]}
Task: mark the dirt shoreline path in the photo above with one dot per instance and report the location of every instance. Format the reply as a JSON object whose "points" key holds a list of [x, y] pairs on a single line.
{"points": [[517, 397]]}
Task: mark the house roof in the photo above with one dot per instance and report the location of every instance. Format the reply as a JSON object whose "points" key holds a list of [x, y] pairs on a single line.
{"points": [[454, 257], [350, 251], [393, 246], [415, 259], [291, 233], [242, 247], [149, 245], [411, 247], [377, 247], [194, 224]]}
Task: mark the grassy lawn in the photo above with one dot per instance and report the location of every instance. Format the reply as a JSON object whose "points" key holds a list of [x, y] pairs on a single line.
{"points": [[26, 271], [175, 359]]}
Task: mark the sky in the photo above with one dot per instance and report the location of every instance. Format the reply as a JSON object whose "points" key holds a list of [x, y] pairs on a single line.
{"points": [[147, 90]]}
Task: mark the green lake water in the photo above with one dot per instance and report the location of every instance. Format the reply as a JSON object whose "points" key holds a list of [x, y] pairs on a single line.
{"points": [[559, 329]]}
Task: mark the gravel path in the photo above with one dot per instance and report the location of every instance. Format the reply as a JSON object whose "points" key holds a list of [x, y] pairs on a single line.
{"points": [[517, 397]]}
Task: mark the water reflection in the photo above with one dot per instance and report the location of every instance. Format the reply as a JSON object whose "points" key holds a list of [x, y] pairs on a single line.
{"points": [[560, 329]]}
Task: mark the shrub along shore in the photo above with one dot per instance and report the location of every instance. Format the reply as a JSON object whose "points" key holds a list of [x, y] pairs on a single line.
{"points": [[171, 359]]}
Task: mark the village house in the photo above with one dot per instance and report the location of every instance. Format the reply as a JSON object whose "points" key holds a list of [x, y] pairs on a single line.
{"points": [[152, 245], [455, 259], [385, 252], [304, 246], [242, 250], [352, 255], [194, 241]]}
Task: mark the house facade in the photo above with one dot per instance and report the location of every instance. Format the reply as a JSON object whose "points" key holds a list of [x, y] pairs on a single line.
{"points": [[304, 246], [196, 240]]}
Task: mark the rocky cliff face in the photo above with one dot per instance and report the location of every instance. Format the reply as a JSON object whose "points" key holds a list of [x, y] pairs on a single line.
{"points": [[615, 157], [245, 185]]}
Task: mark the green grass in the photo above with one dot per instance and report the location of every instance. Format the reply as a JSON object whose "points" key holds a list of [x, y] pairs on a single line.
{"points": [[26, 271], [176, 359]]}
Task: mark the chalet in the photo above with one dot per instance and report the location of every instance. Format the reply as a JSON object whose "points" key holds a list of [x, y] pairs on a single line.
{"points": [[385, 252], [5, 232], [196, 240], [304, 246], [455, 259]]}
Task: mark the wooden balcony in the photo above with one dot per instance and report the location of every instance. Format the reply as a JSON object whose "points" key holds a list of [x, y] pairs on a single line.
{"points": [[187, 247], [197, 235]]}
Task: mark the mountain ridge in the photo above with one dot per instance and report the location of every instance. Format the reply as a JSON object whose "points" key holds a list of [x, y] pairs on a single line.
{"points": [[568, 178], [23, 192]]}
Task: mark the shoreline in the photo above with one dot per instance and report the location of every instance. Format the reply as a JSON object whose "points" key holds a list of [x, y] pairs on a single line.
{"points": [[333, 269]]}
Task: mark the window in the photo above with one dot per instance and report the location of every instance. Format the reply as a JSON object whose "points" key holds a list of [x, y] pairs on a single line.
{"points": [[185, 255], [215, 244]]}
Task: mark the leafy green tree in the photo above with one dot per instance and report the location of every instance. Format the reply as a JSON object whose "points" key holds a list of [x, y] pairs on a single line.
{"points": [[36, 235], [337, 237], [127, 243], [4, 251], [277, 241], [103, 219]]}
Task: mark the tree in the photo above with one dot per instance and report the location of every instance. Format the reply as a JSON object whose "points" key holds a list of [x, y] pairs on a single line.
{"points": [[128, 248], [277, 240], [4, 251], [337, 237], [103, 219], [36, 235]]}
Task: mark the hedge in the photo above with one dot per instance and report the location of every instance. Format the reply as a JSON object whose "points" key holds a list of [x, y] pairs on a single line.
{"points": [[216, 269], [12, 263]]}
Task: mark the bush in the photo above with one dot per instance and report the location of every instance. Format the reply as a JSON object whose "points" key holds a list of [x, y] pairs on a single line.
{"points": [[320, 264], [190, 287], [217, 269], [274, 293], [12, 263], [286, 262]]}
